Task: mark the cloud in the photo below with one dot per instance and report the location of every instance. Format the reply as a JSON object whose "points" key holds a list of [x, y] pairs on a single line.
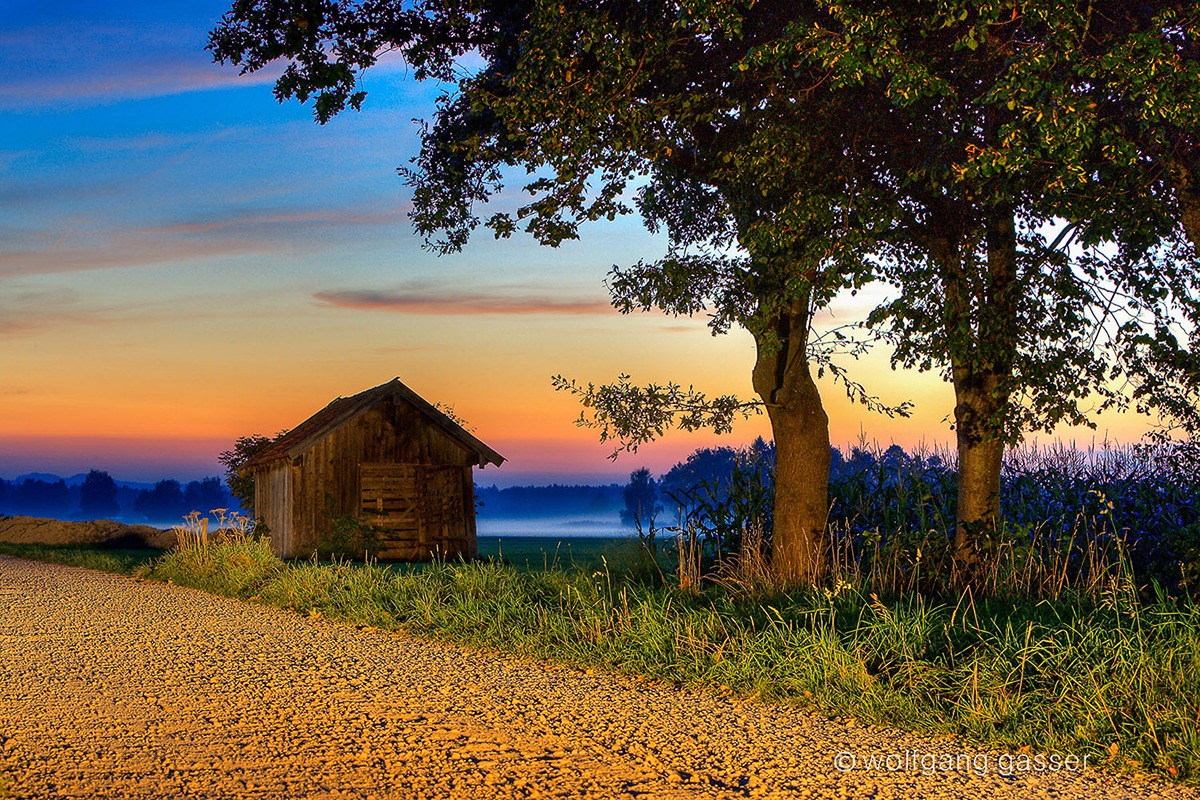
{"points": [[125, 61], [248, 232], [139, 143], [267, 219], [142, 81], [425, 299], [128, 249], [26, 310]]}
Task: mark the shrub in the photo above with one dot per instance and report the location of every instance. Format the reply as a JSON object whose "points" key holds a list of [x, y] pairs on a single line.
{"points": [[349, 537]]}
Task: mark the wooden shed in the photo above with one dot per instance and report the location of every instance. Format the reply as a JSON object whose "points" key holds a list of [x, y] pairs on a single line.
{"points": [[384, 456]]}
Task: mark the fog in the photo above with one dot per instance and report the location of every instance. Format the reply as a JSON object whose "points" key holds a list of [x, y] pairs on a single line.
{"points": [[563, 526]]}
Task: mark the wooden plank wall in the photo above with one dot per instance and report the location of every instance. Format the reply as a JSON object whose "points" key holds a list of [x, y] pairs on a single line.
{"points": [[443, 521], [272, 504], [418, 509], [390, 499], [326, 479], [471, 547]]}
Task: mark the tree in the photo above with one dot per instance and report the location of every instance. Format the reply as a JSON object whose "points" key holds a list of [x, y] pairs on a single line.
{"points": [[98, 496], [38, 498], [205, 495], [683, 111], [163, 502], [241, 484], [1011, 168], [640, 496], [1005, 127]]}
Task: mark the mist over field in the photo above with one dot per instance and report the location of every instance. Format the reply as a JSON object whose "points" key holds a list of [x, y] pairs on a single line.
{"points": [[562, 525]]}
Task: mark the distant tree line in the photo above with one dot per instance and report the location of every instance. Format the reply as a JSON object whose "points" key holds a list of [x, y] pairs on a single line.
{"points": [[543, 501], [99, 496]]}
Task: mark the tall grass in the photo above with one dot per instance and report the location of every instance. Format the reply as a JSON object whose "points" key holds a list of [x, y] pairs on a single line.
{"points": [[1086, 521], [230, 561]]}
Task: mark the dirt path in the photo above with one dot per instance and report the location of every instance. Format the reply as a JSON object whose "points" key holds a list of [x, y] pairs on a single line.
{"points": [[110, 687]]}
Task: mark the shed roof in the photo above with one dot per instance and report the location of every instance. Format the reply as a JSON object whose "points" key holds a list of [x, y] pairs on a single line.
{"points": [[344, 409]]}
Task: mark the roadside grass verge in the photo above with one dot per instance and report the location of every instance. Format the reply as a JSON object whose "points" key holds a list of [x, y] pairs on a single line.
{"points": [[1117, 679], [92, 556]]}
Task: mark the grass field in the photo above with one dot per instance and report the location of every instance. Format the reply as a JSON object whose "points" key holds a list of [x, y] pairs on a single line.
{"points": [[543, 552]]}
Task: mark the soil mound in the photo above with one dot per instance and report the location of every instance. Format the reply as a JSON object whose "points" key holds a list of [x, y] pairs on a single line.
{"points": [[34, 530]]}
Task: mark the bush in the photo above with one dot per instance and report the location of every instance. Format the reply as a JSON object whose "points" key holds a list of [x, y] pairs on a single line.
{"points": [[238, 568], [349, 537]]}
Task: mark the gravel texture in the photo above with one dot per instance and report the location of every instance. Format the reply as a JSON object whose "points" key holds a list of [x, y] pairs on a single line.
{"points": [[112, 687]]}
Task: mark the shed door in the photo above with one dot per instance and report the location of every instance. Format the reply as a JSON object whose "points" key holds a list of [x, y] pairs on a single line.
{"points": [[419, 509]]}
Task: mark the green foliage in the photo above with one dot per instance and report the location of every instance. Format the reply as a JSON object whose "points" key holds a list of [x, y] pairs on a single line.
{"points": [[237, 567], [634, 415], [348, 537], [103, 557], [452, 415], [241, 485], [1072, 520], [720, 508]]}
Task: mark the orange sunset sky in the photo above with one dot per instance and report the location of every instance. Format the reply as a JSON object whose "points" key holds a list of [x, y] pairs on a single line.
{"points": [[183, 261]]}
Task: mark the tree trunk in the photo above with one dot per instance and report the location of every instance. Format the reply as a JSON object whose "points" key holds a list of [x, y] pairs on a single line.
{"points": [[980, 452], [1187, 190], [800, 427], [982, 370]]}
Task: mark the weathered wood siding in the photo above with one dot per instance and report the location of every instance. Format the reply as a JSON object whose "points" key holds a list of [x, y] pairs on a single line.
{"points": [[273, 504], [327, 481], [417, 508]]}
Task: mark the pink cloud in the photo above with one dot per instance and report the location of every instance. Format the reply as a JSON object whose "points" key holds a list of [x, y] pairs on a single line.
{"points": [[157, 80], [123, 62], [121, 250], [253, 232], [323, 217], [424, 300]]}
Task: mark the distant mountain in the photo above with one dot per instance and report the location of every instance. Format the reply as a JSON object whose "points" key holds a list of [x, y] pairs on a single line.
{"points": [[38, 476]]}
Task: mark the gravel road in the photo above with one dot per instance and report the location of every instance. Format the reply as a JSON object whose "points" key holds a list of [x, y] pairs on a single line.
{"points": [[111, 687]]}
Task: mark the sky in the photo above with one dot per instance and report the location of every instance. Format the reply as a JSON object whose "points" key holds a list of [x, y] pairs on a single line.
{"points": [[184, 260]]}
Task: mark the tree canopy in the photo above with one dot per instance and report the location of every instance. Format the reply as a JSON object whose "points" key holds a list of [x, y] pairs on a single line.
{"points": [[98, 495]]}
